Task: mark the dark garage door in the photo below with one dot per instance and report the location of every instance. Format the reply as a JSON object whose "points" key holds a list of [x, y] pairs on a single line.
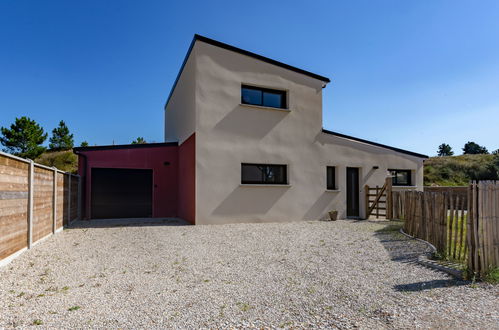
{"points": [[121, 193]]}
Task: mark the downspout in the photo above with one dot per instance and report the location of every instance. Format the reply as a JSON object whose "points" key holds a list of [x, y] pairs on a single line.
{"points": [[84, 184]]}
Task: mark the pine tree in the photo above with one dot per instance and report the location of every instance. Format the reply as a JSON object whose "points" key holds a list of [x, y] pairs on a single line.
{"points": [[472, 148], [61, 139], [24, 138], [445, 150], [139, 140], [84, 144]]}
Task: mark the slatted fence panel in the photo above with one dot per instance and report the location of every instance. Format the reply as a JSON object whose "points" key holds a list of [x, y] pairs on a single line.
{"points": [[43, 203], [13, 206], [15, 183]]}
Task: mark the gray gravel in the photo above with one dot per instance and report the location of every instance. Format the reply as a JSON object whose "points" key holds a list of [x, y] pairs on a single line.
{"points": [[341, 274]]}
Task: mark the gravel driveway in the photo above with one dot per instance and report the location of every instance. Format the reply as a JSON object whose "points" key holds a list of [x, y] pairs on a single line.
{"points": [[341, 274]]}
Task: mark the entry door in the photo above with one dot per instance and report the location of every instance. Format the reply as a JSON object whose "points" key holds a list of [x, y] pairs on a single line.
{"points": [[121, 193], [353, 192]]}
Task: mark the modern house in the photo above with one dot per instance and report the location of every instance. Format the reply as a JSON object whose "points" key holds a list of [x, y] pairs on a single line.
{"points": [[245, 143]]}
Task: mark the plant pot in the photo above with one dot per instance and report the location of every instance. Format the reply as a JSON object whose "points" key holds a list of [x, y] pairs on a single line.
{"points": [[333, 215]]}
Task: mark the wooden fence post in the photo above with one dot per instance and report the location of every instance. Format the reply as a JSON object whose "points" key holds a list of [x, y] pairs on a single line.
{"points": [[31, 181], [54, 200], [69, 198], [389, 199], [366, 201]]}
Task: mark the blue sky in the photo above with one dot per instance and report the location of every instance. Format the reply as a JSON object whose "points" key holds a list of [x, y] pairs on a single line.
{"points": [[411, 74]]}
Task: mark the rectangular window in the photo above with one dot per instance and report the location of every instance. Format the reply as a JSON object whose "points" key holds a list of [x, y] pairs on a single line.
{"points": [[263, 174], [263, 97], [331, 178], [401, 177]]}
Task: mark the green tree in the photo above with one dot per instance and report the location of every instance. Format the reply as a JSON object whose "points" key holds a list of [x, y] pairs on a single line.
{"points": [[472, 148], [24, 138], [445, 150], [495, 152], [139, 140], [84, 144], [61, 139]]}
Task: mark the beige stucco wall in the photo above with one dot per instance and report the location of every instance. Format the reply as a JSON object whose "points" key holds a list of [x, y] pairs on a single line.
{"points": [[228, 134], [180, 112]]}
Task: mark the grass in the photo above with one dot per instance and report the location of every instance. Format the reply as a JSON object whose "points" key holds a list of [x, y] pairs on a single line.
{"points": [[74, 308], [459, 170], [37, 322], [63, 160], [492, 276]]}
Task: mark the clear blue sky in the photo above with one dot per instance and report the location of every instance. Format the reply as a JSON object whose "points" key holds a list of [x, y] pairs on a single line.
{"points": [[411, 74]]}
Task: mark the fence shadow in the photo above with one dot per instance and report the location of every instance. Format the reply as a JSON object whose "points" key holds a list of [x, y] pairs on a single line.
{"points": [[128, 222], [428, 285], [406, 250]]}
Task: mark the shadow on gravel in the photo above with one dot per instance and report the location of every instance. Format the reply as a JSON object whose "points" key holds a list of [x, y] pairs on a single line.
{"points": [[400, 248], [131, 222], [405, 250], [428, 285]]}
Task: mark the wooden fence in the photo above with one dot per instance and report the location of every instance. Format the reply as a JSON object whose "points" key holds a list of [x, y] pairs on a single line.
{"points": [[483, 228], [36, 201], [464, 229]]}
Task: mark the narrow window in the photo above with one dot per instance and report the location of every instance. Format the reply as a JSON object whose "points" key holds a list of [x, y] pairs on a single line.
{"points": [[263, 97], [263, 174], [401, 177], [331, 178]]}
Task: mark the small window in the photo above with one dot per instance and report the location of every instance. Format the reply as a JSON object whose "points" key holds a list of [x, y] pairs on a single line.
{"points": [[263, 174], [263, 97], [401, 177], [331, 178]]}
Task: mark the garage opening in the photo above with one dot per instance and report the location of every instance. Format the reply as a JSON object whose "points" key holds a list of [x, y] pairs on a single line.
{"points": [[121, 193]]}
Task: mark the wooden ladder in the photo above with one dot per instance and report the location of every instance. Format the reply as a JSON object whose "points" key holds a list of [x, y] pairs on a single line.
{"points": [[382, 200]]}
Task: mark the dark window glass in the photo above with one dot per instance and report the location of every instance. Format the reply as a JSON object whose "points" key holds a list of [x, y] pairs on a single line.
{"points": [[331, 178], [401, 177], [263, 174], [263, 97], [251, 96]]}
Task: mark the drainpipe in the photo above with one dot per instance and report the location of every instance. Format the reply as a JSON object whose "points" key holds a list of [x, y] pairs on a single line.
{"points": [[83, 183]]}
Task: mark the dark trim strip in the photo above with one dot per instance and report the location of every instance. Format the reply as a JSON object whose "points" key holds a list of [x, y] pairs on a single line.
{"points": [[243, 52], [126, 146], [374, 144]]}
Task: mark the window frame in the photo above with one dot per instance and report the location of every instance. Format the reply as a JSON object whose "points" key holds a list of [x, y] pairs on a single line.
{"points": [[393, 173], [281, 92], [263, 182], [333, 187]]}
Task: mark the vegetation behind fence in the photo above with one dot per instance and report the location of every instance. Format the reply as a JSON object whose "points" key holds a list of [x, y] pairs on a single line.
{"points": [[35, 202]]}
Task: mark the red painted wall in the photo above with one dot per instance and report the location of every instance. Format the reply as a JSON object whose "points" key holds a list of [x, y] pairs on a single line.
{"points": [[187, 180], [165, 177]]}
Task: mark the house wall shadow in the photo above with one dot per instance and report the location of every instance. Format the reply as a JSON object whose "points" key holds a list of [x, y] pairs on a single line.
{"points": [[249, 201], [250, 122], [321, 205]]}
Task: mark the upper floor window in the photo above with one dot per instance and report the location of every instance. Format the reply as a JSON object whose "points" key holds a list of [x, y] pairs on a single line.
{"points": [[263, 97], [401, 177], [330, 178], [263, 174]]}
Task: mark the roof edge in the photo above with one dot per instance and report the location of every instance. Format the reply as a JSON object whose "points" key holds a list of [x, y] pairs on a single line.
{"points": [[220, 44], [126, 146], [407, 152]]}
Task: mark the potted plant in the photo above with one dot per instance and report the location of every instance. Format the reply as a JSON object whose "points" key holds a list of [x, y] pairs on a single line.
{"points": [[333, 215]]}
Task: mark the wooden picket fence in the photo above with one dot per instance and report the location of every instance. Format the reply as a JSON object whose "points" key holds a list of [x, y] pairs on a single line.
{"points": [[462, 228], [483, 235]]}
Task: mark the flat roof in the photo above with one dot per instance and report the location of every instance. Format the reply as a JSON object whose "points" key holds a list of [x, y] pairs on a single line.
{"points": [[126, 146], [217, 43], [415, 154]]}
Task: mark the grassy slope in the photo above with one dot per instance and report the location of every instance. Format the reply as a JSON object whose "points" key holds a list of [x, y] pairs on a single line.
{"points": [[456, 170], [63, 160]]}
